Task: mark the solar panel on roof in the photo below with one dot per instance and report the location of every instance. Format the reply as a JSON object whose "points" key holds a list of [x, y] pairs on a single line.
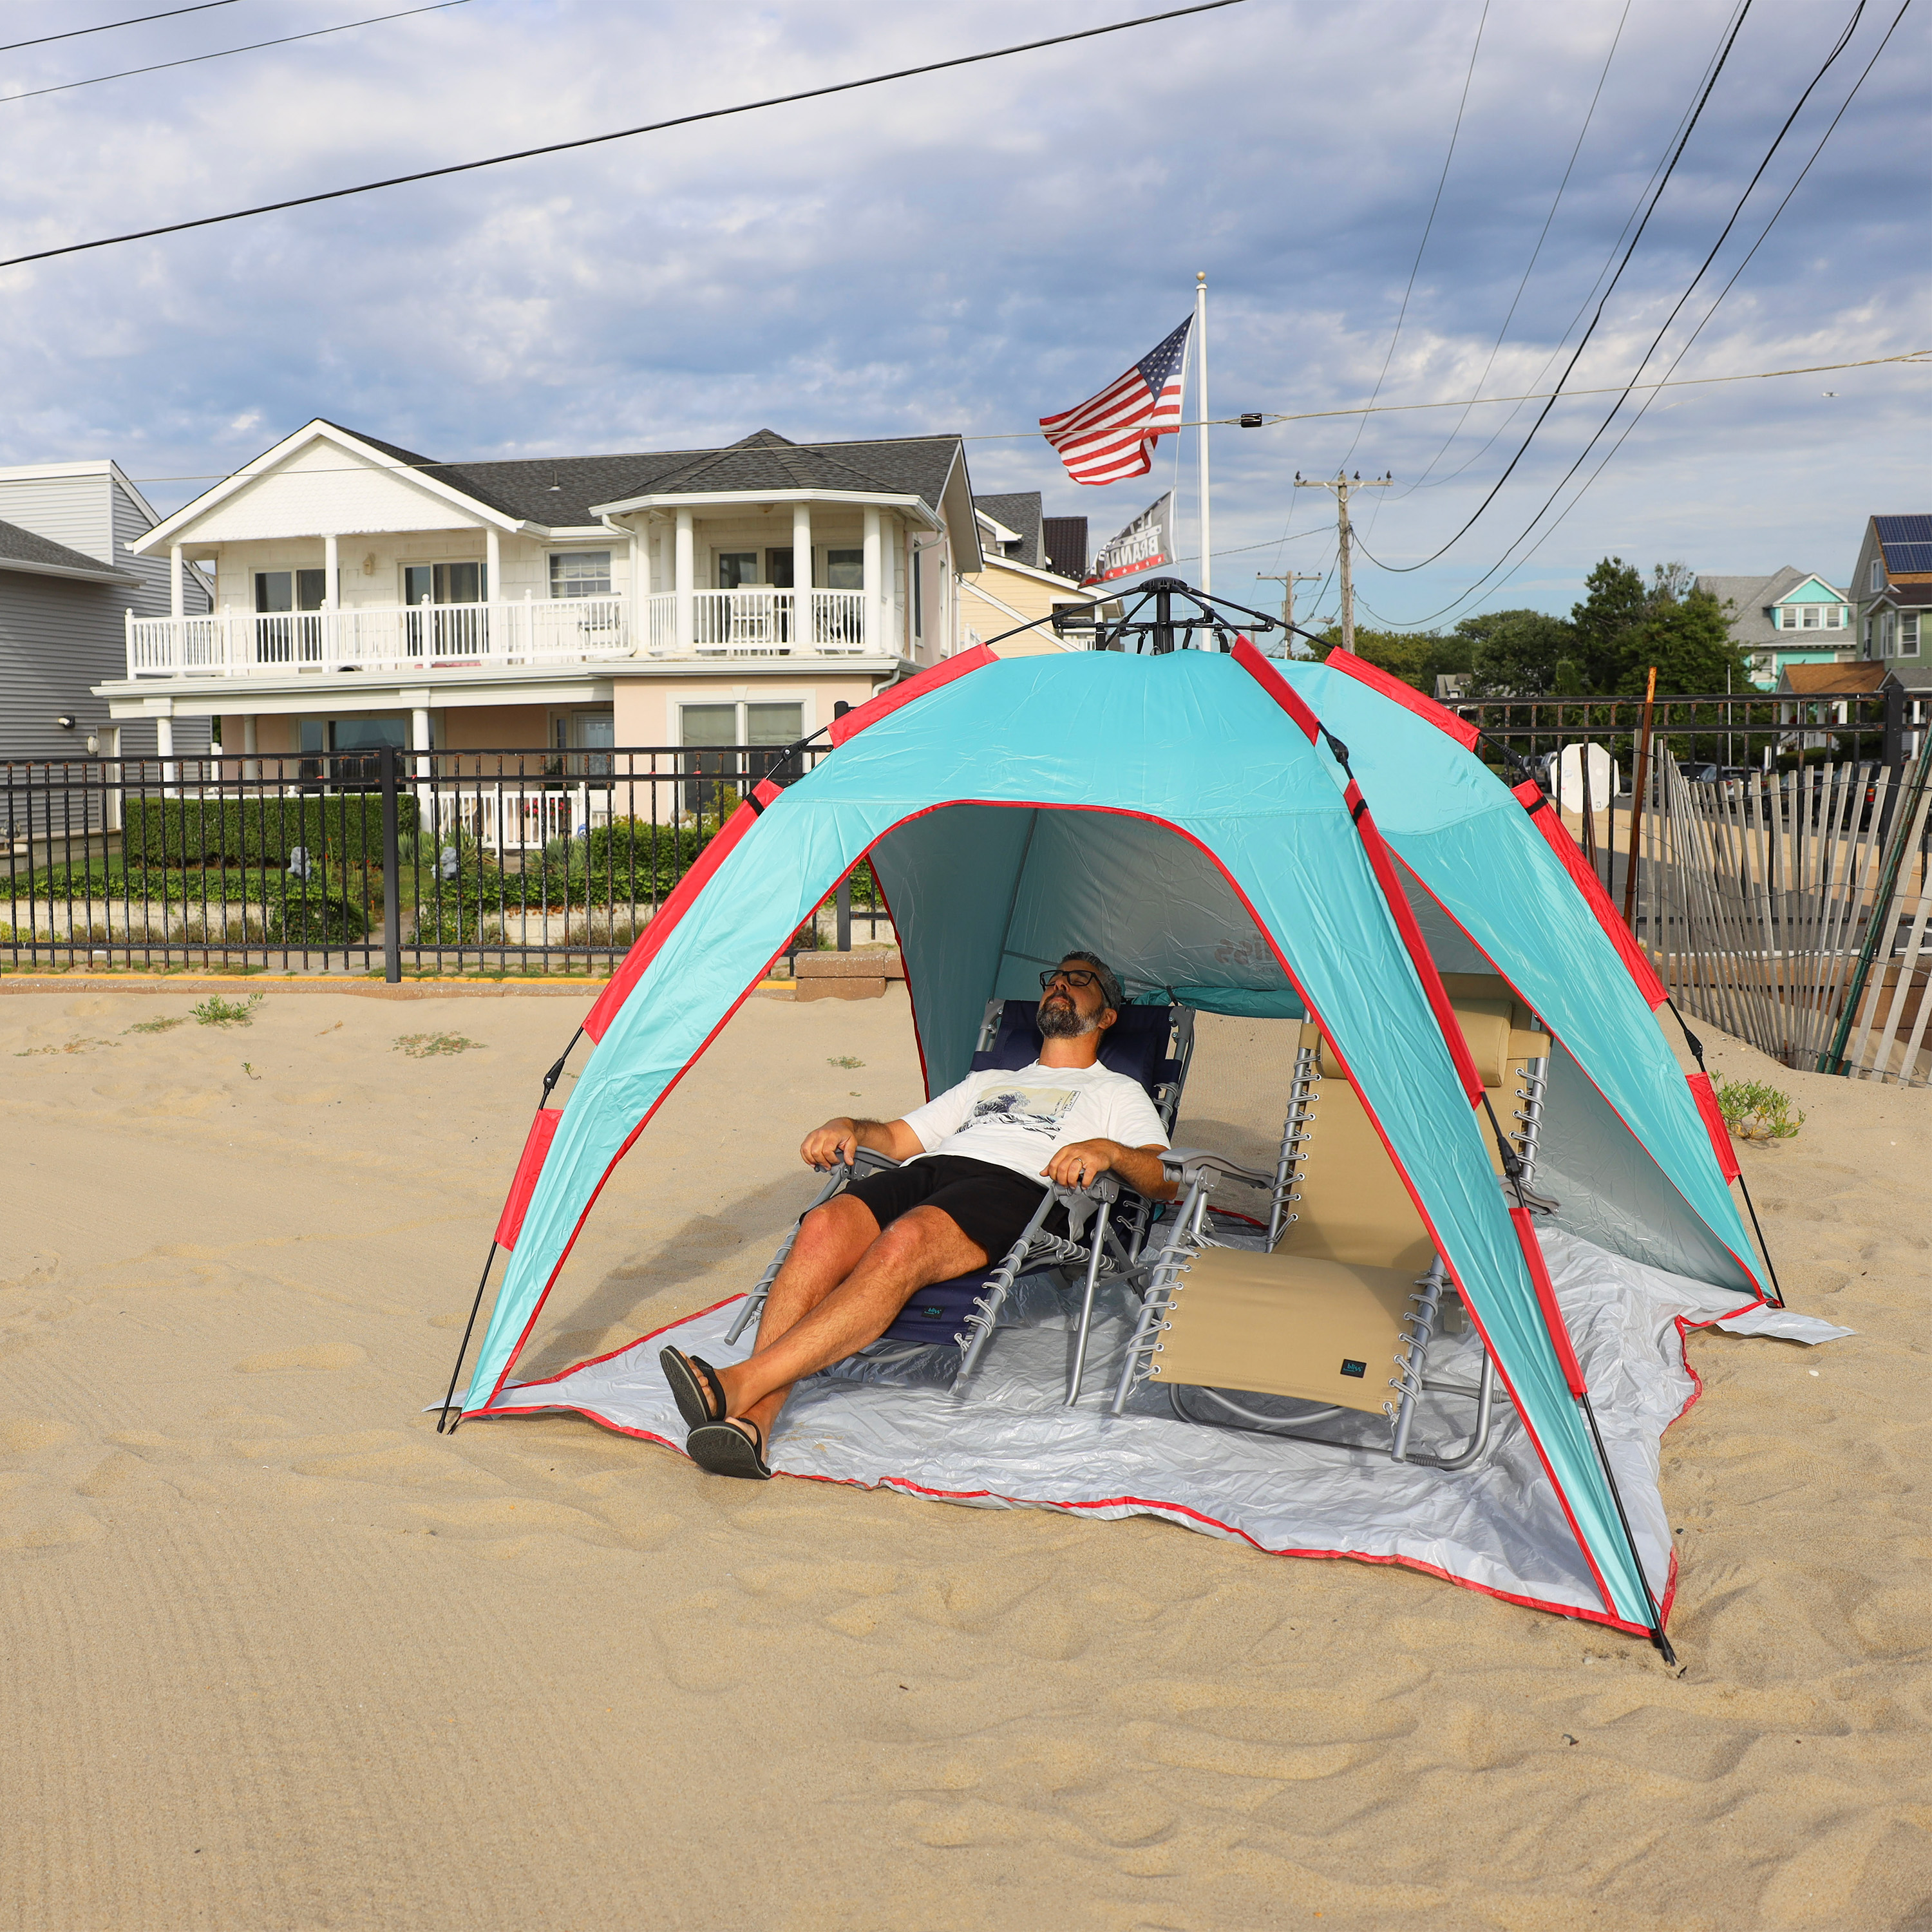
{"points": [[1904, 530], [1902, 560]]}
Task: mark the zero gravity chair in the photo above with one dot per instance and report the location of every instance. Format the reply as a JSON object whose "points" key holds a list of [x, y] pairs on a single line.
{"points": [[1349, 1286], [943, 1330]]}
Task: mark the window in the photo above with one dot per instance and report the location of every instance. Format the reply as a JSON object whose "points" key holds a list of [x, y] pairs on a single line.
{"points": [[844, 570], [1877, 580], [918, 593], [774, 723], [1787, 617], [1888, 634], [354, 741], [1908, 634], [1868, 637], [285, 635], [778, 568], [277, 590], [1811, 617], [736, 568], [580, 573], [1834, 616], [444, 583]]}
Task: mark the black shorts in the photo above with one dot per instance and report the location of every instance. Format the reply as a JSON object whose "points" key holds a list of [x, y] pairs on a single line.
{"points": [[990, 1205]]}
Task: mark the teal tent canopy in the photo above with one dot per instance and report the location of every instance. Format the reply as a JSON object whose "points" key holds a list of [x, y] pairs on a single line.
{"points": [[1188, 817]]}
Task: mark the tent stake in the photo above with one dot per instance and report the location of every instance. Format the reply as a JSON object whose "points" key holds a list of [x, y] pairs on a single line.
{"points": [[463, 1348]]}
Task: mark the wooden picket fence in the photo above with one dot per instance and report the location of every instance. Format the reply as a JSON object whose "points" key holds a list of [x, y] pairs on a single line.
{"points": [[1794, 910]]}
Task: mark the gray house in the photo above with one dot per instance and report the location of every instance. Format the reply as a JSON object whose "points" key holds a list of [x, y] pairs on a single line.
{"points": [[66, 580], [1892, 581], [1788, 618]]}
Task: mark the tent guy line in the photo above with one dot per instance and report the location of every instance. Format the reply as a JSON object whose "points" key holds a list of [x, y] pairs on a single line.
{"points": [[619, 134]]}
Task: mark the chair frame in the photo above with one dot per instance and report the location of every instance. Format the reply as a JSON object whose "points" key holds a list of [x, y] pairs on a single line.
{"points": [[1198, 1171], [1106, 1256]]}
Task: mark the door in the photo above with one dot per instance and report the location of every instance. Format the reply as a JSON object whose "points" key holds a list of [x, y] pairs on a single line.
{"points": [[285, 632], [457, 624], [709, 733]]}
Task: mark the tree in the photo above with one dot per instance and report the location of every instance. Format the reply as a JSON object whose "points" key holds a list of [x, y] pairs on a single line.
{"points": [[1605, 622], [1517, 653], [1689, 641], [1416, 657]]}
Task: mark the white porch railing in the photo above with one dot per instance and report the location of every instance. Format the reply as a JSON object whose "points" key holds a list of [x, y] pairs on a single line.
{"points": [[383, 636], [427, 638], [764, 624]]}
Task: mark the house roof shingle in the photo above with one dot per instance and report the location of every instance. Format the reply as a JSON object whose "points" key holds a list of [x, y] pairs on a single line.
{"points": [[1749, 626], [1806, 678], [1020, 511], [23, 549]]}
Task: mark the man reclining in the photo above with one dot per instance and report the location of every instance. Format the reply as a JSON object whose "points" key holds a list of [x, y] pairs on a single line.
{"points": [[976, 1160]]}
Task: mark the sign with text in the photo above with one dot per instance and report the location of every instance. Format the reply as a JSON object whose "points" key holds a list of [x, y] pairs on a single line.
{"points": [[1146, 544]]}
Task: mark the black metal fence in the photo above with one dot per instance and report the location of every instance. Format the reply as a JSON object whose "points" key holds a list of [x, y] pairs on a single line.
{"points": [[510, 862], [1585, 752]]}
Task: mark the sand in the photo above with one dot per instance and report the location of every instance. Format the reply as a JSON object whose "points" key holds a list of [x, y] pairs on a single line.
{"points": [[273, 1654]]}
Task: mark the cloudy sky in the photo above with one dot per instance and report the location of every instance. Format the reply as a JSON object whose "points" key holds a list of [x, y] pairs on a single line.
{"points": [[969, 250]]}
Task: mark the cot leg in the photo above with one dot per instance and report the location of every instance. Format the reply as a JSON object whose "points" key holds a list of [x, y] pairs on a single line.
{"points": [[1086, 1305]]}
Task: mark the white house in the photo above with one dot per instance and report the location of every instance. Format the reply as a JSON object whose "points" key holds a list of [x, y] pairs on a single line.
{"points": [[364, 595]]}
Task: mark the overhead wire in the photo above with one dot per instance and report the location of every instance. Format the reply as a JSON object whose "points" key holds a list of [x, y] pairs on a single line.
{"points": [[108, 26], [1717, 68], [1763, 236], [222, 53], [619, 134], [1843, 40], [1535, 254]]}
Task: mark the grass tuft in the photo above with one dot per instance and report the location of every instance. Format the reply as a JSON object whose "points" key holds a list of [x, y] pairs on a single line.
{"points": [[432, 1045], [157, 1026], [1754, 1111], [215, 1011]]}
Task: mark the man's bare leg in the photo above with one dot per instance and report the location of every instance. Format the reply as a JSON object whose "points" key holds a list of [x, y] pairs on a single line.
{"points": [[922, 1246]]}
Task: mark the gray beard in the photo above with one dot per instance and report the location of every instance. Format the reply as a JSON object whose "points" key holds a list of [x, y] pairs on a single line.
{"points": [[1062, 1022]]}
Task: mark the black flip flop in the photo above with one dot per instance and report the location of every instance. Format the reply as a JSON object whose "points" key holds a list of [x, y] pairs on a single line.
{"points": [[725, 1450], [694, 1387]]}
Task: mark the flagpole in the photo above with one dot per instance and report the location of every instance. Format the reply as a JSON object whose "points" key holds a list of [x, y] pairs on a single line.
{"points": [[1201, 411]]}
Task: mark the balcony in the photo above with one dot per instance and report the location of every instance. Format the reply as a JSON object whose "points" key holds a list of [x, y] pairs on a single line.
{"points": [[457, 639]]}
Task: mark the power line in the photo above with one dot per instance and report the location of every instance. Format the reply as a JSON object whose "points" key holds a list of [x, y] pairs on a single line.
{"points": [[619, 134], [254, 46], [1912, 357], [1535, 254], [1763, 236], [108, 26], [1442, 182], [1843, 40]]}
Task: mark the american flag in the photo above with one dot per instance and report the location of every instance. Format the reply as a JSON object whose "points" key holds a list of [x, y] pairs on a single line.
{"points": [[1110, 437]]}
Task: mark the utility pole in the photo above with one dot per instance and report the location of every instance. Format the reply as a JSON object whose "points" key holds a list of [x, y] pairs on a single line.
{"points": [[1288, 580], [1343, 486]]}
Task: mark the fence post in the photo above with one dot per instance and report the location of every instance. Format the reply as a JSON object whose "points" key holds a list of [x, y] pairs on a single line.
{"points": [[392, 908], [844, 904]]}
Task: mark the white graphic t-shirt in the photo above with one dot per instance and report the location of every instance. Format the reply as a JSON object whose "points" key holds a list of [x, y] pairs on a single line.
{"points": [[1021, 1120]]}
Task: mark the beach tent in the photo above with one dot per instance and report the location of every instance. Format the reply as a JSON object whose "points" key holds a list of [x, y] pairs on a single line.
{"points": [[1209, 823]]}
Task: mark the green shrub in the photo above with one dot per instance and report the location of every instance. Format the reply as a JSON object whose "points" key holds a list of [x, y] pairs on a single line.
{"points": [[1756, 1111], [215, 1011], [310, 915], [457, 919], [182, 831]]}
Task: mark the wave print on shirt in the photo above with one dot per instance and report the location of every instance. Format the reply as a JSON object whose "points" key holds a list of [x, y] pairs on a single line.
{"points": [[1031, 1110]]}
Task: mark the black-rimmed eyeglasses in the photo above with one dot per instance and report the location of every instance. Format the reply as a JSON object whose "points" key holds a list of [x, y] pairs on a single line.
{"points": [[1074, 976]]}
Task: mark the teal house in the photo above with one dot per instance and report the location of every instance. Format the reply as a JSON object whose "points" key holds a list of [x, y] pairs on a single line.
{"points": [[1787, 618]]}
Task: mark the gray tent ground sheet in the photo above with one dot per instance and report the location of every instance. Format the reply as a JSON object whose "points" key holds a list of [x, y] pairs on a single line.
{"points": [[1005, 1440]]}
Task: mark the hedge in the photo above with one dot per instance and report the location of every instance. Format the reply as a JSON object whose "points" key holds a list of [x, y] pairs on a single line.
{"points": [[177, 832]]}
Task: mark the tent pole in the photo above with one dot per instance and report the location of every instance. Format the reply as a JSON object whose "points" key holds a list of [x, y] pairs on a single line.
{"points": [[1657, 1635], [448, 1400]]}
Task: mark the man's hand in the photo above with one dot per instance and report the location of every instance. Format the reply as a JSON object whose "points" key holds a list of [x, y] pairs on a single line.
{"points": [[835, 1144], [839, 1142], [1082, 1161]]}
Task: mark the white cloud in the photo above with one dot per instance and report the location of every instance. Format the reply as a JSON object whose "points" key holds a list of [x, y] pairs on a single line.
{"points": [[971, 250]]}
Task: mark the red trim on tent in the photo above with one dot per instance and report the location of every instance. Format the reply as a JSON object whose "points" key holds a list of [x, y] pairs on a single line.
{"points": [[905, 1486], [1277, 687], [1286, 695], [1544, 816], [1420, 956], [522, 1184], [1545, 1300], [1464, 731], [1715, 1125], [651, 941], [883, 704]]}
